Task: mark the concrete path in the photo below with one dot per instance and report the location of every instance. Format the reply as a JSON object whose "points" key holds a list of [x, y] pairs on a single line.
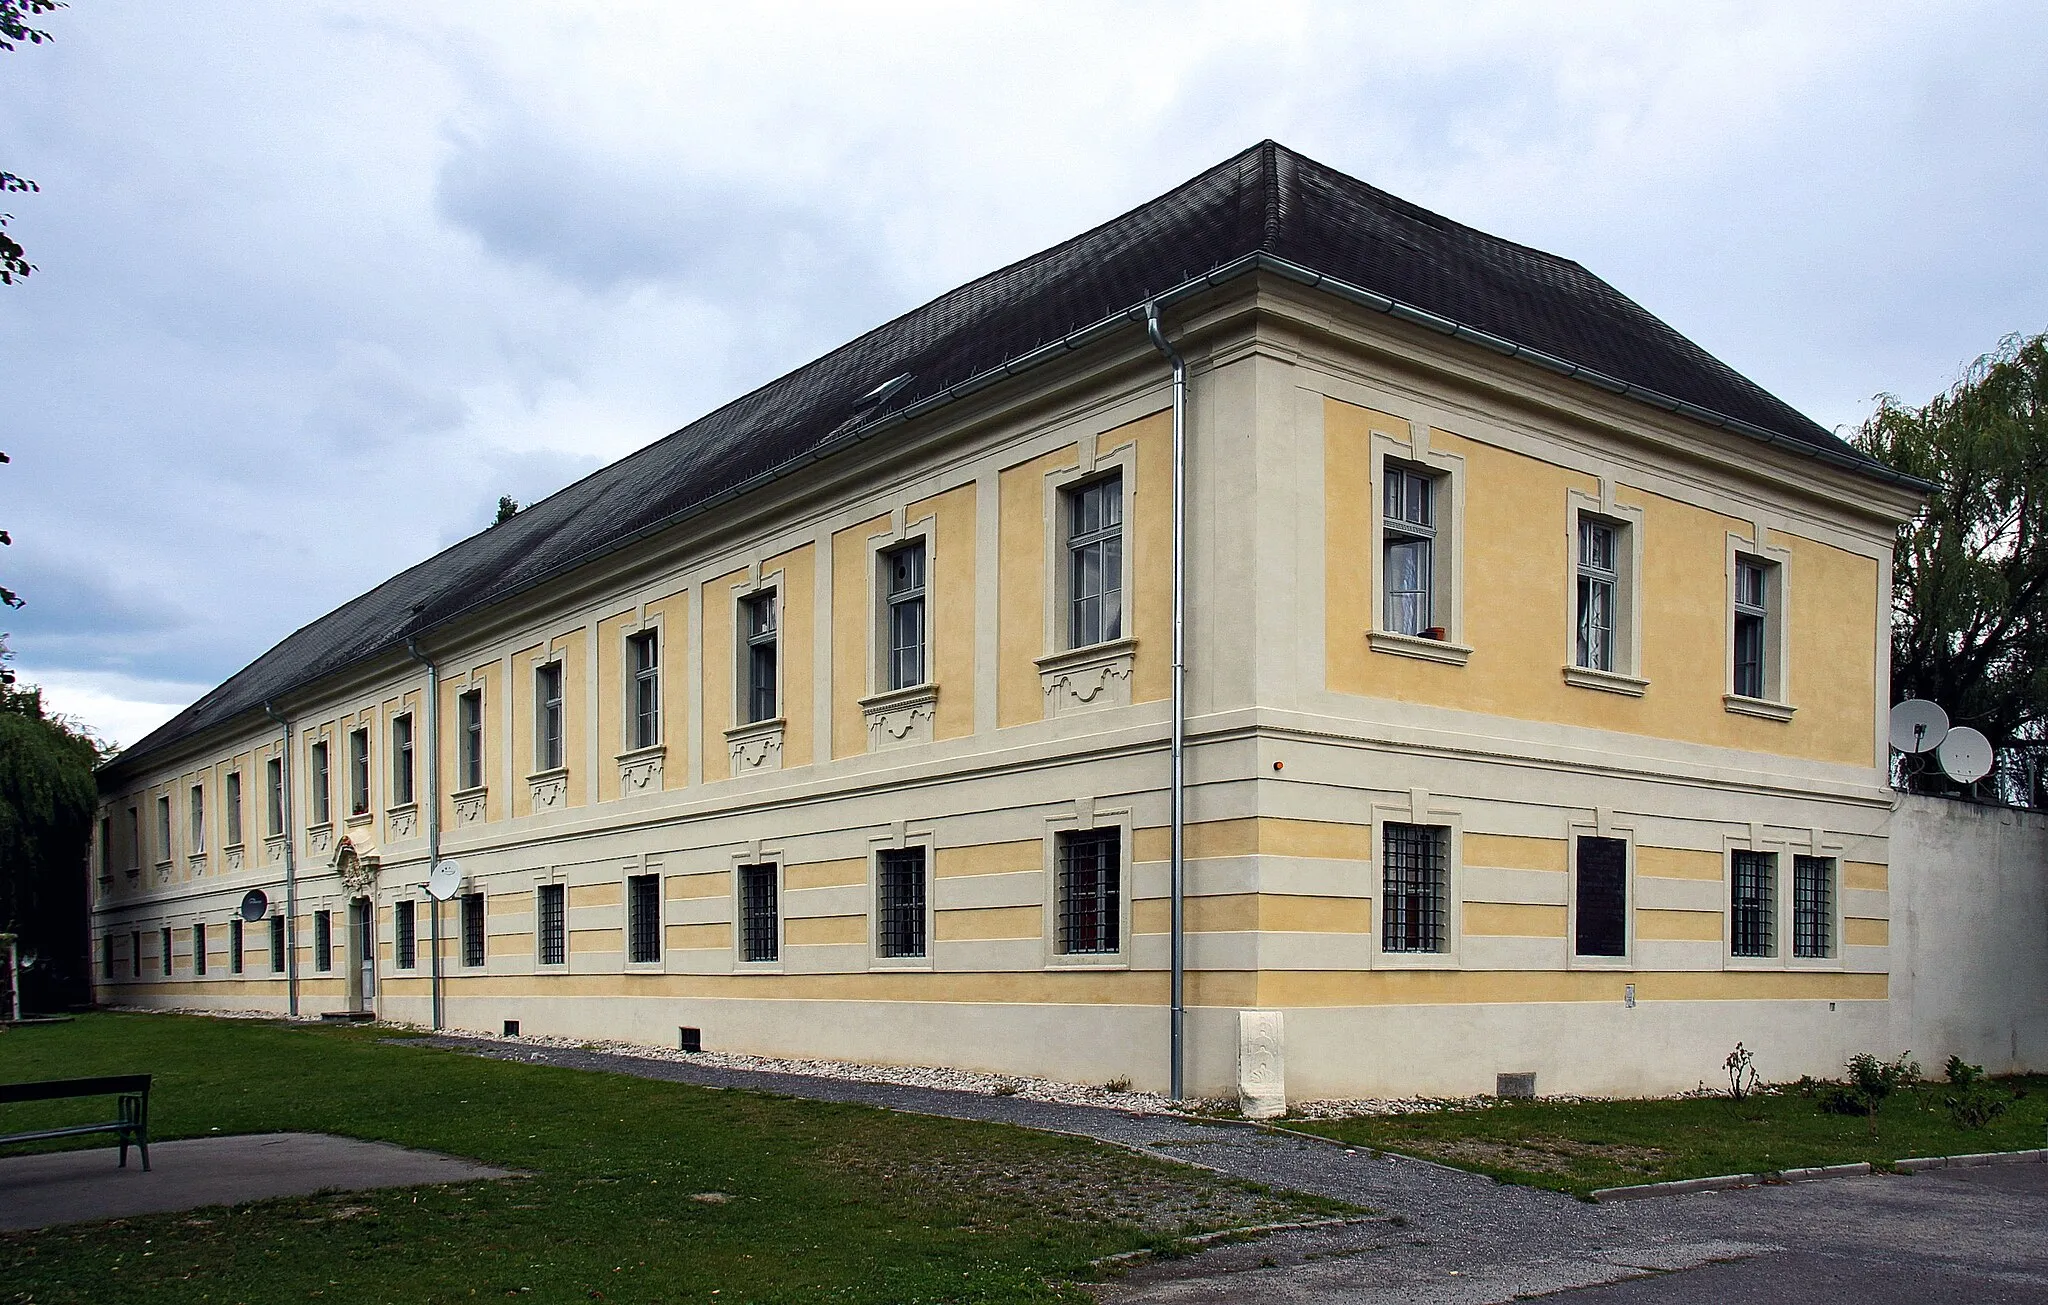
{"points": [[1455, 1238], [37, 1191]]}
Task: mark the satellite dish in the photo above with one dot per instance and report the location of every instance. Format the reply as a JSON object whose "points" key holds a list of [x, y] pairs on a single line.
{"points": [[1965, 755], [254, 905], [1918, 725], [445, 879]]}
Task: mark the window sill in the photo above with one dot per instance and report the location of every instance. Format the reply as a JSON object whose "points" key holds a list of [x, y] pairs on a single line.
{"points": [[640, 769], [1088, 961], [1386, 960], [358, 819], [1585, 677], [1762, 708], [549, 789], [900, 717], [1408, 645], [756, 745], [1080, 679]]}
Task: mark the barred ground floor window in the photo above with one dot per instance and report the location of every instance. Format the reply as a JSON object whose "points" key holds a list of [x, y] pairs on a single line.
{"points": [[1090, 892], [1415, 900]]}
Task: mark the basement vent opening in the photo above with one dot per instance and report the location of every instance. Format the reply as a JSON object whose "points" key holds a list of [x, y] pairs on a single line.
{"points": [[511, 1028], [1515, 1087], [690, 1039]]}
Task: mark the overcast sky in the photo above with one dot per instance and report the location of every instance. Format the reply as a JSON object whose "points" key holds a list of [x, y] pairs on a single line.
{"points": [[320, 281]]}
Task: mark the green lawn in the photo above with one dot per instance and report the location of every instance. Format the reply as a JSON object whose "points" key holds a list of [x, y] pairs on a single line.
{"points": [[1579, 1147], [825, 1202]]}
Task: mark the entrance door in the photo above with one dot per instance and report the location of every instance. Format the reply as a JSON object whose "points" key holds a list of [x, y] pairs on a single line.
{"points": [[362, 954]]}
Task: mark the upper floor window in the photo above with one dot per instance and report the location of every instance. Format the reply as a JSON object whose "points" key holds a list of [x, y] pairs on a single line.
{"points": [[401, 760], [358, 772], [1095, 562], [106, 845], [273, 796], [163, 827], [198, 819], [321, 785], [1752, 627], [644, 664], [547, 734], [1408, 550], [757, 627], [469, 724], [234, 807], [903, 569], [134, 839]]}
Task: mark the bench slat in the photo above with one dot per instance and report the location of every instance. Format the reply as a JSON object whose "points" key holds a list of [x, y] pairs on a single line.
{"points": [[75, 1130], [60, 1088]]}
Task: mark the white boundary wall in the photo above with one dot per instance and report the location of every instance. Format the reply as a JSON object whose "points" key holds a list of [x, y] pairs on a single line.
{"points": [[1969, 934]]}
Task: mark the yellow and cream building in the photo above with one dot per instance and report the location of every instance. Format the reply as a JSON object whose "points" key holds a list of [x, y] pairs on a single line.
{"points": [[1534, 699]]}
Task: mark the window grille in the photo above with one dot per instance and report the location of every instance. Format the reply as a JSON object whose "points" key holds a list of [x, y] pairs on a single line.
{"points": [[235, 961], [273, 789], [406, 933], [277, 944], [472, 929], [234, 807], [323, 941], [905, 570], [1751, 613], [1813, 906], [1598, 576], [358, 772], [554, 940], [322, 810], [469, 718], [1602, 928], [199, 949], [759, 628], [198, 819], [646, 661], [759, 931], [401, 760], [1414, 898], [899, 903], [547, 736], [1409, 520], [1755, 887], [1090, 892], [1095, 561], [166, 940], [135, 953], [643, 918]]}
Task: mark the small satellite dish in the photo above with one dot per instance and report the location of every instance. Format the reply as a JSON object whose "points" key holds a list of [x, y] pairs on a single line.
{"points": [[255, 905], [1918, 725], [445, 879], [1965, 755]]}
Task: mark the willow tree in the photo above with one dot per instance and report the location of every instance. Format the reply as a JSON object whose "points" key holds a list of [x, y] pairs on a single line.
{"points": [[1970, 626]]}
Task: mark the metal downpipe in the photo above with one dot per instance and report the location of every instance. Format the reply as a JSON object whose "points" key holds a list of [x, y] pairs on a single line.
{"points": [[1176, 795], [412, 648], [291, 865]]}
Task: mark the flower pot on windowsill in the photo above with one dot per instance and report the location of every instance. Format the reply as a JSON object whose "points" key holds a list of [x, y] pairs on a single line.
{"points": [[1435, 632]]}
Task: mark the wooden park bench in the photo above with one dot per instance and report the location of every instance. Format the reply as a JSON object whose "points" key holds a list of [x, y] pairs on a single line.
{"points": [[132, 1125]]}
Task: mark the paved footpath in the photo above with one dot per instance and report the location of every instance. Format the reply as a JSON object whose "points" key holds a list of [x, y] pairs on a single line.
{"points": [[1454, 1238]]}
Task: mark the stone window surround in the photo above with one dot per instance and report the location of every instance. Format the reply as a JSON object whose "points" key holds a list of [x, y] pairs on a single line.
{"points": [[545, 878], [642, 622], [1777, 705], [761, 739], [1086, 815], [899, 717], [1111, 660], [898, 838], [472, 804], [1627, 675], [1419, 807], [633, 868], [1600, 826], [1785, 845], [1448, 555], [756, 854]]}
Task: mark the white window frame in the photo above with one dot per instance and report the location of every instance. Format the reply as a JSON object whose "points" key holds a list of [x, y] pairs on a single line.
{"points": [[231, 788], [321, 801], [1625, 676], [196, 802], [1776, 702], [1419, 808], [163, 828], [551, 666], [405, 775], [1629, 906], [646, 632], [273, 797], [362, 774], [475, 692], [1059, 485], [920, 533], [743, 596], [1447, 552], [901, 842], [1084, 818]]}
